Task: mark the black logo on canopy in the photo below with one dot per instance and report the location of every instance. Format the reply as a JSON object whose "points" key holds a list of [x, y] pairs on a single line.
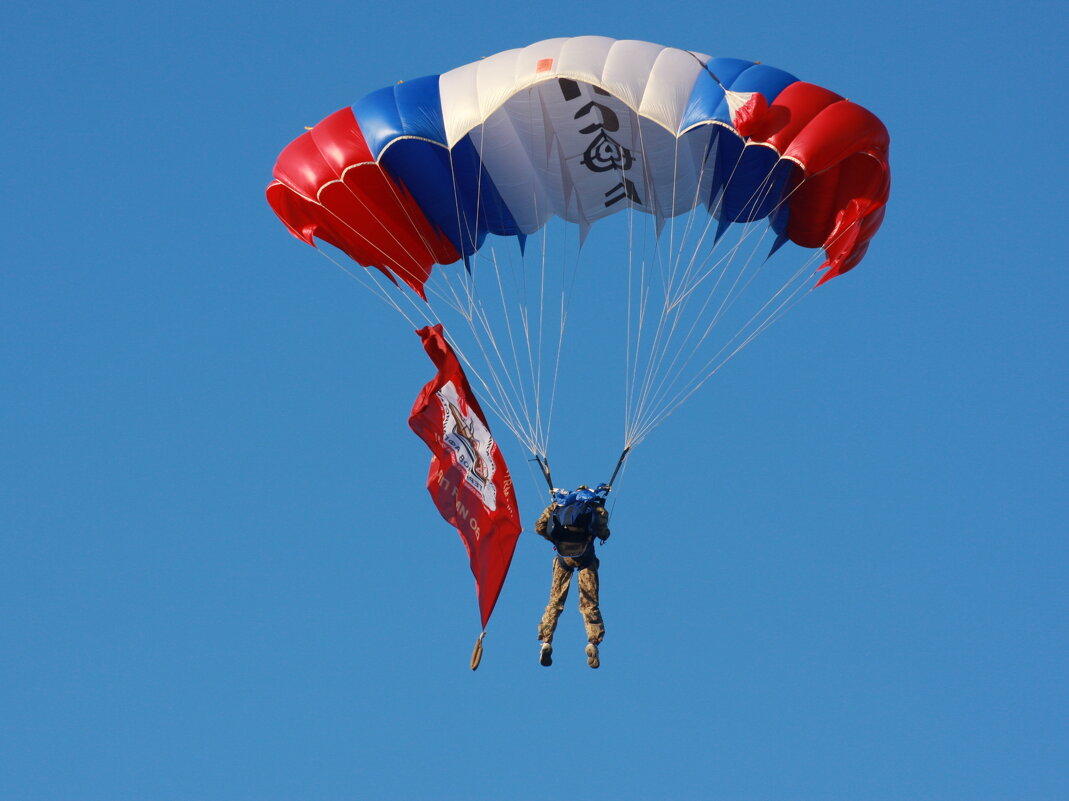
{"points": [[604, 153]]}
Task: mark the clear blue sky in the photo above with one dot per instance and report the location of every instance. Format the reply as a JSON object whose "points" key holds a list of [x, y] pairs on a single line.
{"points": [[839, 573]]}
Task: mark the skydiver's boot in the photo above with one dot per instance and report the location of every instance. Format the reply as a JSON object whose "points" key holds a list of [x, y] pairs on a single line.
{"points": [[545, 656], [592, 657]]}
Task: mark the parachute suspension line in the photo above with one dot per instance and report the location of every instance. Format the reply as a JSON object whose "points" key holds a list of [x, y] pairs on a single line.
{"points": [[543, 309], [466, 304], [689, 282], [377, 289], [397, 268], [533, 337], [667, 276], [687, 341], [544, 375], [628, 355], [672, 376], [716, 362], [654, 356], [544, 321], [778, 312], [534, 426], [385, 293], [637, 296], [746, 234], [672, 258], [639, 311], [371, 283], [715, 365], [674, 262], [696, 266], [693, 265], [671, 303], [644, 293], [630, 222], [487, 327], [462, 307], [667, 269], [535, 349], [540, 429], [516, 384], [501, 400], [494, 393], [482, 331], [543, 294], [496, 398], [727, 303], [658, 388], [691, 217], [567, 288], [522, 307], [532, 420], [678, 256]]}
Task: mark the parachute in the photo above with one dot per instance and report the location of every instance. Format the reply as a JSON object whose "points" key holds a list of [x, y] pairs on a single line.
{"points": [[589, 180]]}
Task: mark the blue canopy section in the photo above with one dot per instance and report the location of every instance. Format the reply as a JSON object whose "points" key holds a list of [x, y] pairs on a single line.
{"points": [[769, 81], [708, 96], [707, 101], [411, 108], [747, 183], [404, 129]]}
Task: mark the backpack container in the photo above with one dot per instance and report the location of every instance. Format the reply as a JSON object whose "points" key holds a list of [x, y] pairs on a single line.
{"points": [[571, 525]]}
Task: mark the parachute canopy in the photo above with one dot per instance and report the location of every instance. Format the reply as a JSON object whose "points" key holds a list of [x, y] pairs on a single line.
{"points": [[419, 173]]}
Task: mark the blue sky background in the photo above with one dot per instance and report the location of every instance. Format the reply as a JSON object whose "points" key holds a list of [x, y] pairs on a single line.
{"points": [[839, 573]]}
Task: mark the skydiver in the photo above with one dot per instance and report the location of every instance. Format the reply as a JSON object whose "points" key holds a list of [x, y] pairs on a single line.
{"points": [[571, 522]]}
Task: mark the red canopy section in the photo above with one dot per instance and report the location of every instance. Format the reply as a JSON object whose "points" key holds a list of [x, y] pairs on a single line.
{"points": [[328, 185]]}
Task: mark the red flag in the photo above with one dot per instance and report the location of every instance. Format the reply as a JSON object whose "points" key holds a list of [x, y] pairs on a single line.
{"points": [[468, 480]]}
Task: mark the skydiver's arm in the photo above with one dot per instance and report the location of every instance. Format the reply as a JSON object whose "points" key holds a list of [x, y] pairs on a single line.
{"points": [[542, 526], [601, 525]]}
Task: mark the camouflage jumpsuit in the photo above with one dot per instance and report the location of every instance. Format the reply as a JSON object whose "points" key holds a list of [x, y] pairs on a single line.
{"points": [[563, 567]]}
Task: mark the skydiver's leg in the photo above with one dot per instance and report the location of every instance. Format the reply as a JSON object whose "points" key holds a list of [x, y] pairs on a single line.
{"points": [[589, 588], [558, 594]]}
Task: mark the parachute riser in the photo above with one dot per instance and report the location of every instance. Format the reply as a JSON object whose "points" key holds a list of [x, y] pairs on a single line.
{"points": [[619, 464], [544, 464]]}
